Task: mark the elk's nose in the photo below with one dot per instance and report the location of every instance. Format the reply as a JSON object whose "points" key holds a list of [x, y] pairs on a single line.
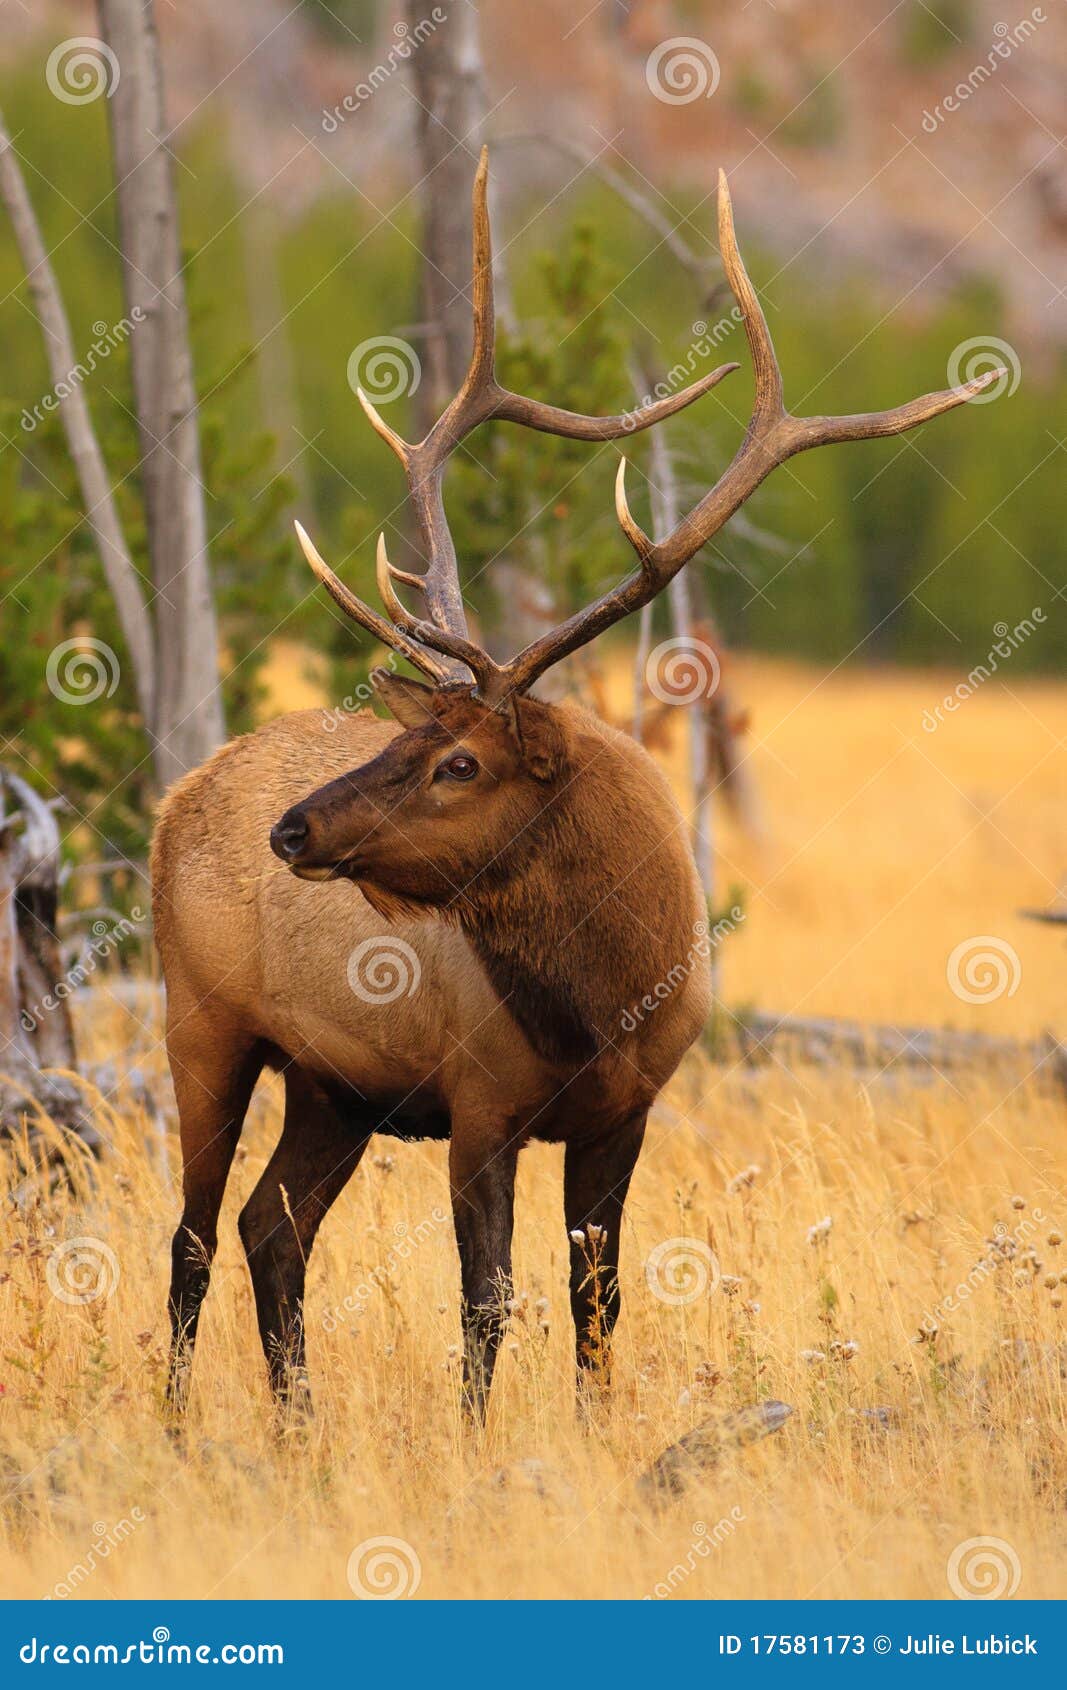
{"points": [[289, 836]]}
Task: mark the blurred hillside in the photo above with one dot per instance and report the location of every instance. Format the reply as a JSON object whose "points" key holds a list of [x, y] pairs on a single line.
{"points": [[899, 245]]}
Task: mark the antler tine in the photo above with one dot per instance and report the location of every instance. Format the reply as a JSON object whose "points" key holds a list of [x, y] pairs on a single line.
{"points": [[443, 640], [773, 435], [769, 403], [479, 398], [393, 637]]}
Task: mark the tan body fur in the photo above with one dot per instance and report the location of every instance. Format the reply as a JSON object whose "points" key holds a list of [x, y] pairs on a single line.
{"points": [[243, 940], [518, 1008]]}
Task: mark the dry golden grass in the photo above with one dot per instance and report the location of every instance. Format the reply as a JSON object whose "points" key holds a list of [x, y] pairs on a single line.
{"points": [[879, 857]]}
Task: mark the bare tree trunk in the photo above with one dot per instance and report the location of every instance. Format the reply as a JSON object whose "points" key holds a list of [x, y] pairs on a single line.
{"points": [[188, 718], [449, 80], [644, 643], [665, 516], [35, 1028], [101, 513], [40, 960], [275, 369]]}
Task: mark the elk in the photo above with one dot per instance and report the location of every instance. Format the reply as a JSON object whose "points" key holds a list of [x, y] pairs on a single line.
{"points": [[468, 901]]}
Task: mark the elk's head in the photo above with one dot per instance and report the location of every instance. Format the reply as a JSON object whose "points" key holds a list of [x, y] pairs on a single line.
{"points": [[453, 797], [447, 805]]}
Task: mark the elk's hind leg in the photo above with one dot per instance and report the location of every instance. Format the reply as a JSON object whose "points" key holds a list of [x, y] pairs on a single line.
{"points": [[596, 1179], [482, 1166], [317, 1154], [215, 1069]]}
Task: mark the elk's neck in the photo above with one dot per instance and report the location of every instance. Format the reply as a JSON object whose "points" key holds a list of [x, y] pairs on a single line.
{"points": [[595, 903]]}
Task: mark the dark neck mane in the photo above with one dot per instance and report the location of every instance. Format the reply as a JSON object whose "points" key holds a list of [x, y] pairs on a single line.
{"points": [[592, 905]]}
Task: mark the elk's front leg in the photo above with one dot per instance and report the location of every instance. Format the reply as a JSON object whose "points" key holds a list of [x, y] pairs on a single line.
{"points": [[482, 1174], [596, 1179], [315, 1157]]}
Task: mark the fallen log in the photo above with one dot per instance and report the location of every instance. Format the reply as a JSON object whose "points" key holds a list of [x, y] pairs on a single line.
{"points": [[706, 1445], [823, 1041], [37, 1054]]}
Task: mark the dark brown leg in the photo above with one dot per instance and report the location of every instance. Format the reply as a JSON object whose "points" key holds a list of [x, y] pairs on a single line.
{"points": [[482, 1174], [317, 1154], [215, 1071], [596, 1179]]}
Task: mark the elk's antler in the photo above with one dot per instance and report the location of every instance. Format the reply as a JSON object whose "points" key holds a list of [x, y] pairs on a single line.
{"points": [[444, 629], [773, 435]]}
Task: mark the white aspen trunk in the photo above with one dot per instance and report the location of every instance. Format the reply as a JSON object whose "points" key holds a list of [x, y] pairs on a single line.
{"points": [[644, 645], [188, 715], [100, 509], [665, 516]]}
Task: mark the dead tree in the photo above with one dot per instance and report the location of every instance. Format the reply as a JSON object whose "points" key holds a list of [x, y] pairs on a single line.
{"points": [[37, 1054], [189, 721], [172, 647], [101, 512], [450, 90]]}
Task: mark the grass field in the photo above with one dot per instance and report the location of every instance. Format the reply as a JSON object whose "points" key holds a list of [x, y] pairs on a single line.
{"points": [[884, 849]]}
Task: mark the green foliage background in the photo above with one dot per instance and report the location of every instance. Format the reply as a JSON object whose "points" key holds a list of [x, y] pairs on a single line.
{"points": [[905, 550]]}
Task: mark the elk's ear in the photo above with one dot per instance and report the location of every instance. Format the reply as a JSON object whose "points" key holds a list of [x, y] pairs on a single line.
{"points": [[409, 701], [541, 736]]}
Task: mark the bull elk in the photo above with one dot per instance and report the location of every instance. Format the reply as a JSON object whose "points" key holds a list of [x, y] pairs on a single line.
{"points": [[520, 867]]}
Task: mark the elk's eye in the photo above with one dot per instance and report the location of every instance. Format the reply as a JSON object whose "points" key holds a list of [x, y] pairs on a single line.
{"points": [[461, 767]]}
